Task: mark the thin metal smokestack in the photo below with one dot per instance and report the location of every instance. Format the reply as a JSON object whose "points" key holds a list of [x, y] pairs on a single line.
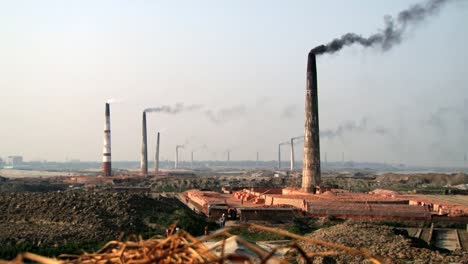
{"points": [[106, 152], [279, 156], [156, 157], [279, 152], [256, 162], [293, 160], [292, 154], [311, 168], [144, 148], [191, 159], [176, 162], [228, 157]]}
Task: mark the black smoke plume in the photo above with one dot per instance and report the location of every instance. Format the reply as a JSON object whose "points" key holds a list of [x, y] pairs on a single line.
{"points": [[226, 114], [177, 108], [201, 147], [365, 125], [347, 126], [393, 31], [288, 112], [443, 120]]}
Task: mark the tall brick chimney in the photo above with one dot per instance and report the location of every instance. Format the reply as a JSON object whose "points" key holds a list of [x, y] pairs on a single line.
{"points": [[311, 177]]}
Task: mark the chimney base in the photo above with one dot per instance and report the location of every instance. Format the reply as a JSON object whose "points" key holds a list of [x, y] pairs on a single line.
{"points": [[106, 169], [308, 189]]}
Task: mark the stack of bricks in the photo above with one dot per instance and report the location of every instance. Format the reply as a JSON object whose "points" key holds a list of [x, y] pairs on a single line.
{"points": [[244, 196], [258, 200]]}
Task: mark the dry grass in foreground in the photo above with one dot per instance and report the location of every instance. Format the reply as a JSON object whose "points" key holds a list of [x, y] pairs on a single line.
{"points": [[181, 247]]}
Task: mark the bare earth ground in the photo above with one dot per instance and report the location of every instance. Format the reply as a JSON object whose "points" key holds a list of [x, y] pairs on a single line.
{"points": [[380, 240], [10, 173]]}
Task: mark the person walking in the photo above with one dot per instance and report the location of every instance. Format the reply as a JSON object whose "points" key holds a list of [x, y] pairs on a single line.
{"points": [[223, 220]]}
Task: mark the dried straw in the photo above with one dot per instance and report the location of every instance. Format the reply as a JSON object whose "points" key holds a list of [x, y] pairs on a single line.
{"points": [[181, 247]]}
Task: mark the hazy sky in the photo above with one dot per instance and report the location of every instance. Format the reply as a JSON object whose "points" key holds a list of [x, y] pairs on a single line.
{"points": [[242, 60]]}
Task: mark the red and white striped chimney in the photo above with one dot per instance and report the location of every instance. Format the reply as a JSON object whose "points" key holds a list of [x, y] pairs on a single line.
{"points": [[106, 152]]}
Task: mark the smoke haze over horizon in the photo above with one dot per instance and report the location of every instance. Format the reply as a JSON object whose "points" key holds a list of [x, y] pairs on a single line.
{"points": [[231, 75], [176, 109]]}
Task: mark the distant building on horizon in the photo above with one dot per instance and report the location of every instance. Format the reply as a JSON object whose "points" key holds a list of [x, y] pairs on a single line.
{"points": [[14, 162]]}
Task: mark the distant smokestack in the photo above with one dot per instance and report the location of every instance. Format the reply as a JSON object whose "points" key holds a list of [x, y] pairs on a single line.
{"points": [[292, 154], [293, 160], [256, 162], [228, 157], [191, 159], [279, 156], [279, 152], [106, 152], [311, 168], [176, 162], [156, 157], [144, 149]]}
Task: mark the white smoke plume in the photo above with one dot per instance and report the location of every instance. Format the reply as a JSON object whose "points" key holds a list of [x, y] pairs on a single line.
{"points": [[114, 101]]}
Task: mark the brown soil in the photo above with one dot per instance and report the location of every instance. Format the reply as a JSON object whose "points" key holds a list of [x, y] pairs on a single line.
{"points": [[435, 179], [379, 240], [38, 221]]}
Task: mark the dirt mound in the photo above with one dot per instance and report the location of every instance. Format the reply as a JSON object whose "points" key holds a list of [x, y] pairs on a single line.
{"points": [[262, 173], [93, 210], [36, 221], [328, 193], [436, 179], [383, 192], [380, 240]]}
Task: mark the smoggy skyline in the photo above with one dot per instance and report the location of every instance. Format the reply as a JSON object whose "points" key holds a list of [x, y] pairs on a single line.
{"points": [[234, 75]]}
